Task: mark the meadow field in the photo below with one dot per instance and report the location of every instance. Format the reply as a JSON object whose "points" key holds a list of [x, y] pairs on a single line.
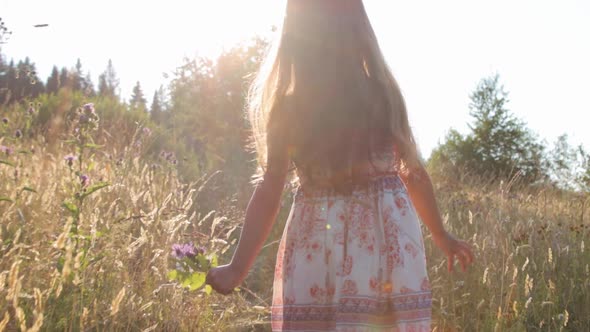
{"points": [[89, 215]]}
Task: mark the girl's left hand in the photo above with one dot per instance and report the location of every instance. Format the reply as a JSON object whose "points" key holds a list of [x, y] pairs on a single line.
{"points": [[223, 279]]}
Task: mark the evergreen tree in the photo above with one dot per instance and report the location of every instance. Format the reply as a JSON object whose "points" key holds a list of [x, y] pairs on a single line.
{"points": [[25, 82], [53, 81], [156, 108], [88, 86], [4, 68], [499, 145], [65, 79], [137, 101], [77, 77], [8, 83], [108, 83]]}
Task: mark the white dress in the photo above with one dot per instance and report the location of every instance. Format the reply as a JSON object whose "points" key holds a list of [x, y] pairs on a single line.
{"points": [[353, 262]]}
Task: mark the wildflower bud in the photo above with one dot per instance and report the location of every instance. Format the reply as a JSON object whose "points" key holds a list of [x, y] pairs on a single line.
{"points": [[146, 131], [84, 180], [88, 109], [6, 149], [18, 133], [31, 111], [70, 159], [83, 118], [5, 120]]}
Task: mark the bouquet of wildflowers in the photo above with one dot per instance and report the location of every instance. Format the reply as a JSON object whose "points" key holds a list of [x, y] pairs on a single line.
{"points": [[191, 264]]}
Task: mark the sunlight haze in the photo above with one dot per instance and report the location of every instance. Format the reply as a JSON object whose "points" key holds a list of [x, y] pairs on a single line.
{"points": [[438, 50]]}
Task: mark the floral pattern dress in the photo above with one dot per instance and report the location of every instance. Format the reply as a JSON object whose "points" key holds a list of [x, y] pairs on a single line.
{"points": [[353, 262]]}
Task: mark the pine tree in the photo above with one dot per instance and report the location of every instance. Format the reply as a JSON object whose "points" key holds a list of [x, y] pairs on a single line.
{"points": [[53, 81], [156, 108], [65, 80], [25, 82], [499, 145], [4, 68], [108, 83], [137, 101], [77, 77], [8, 83], [88, 86]]}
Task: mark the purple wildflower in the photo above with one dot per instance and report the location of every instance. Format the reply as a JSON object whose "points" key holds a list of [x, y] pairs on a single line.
{"points": [[83, 118], [18, 133], [31, 110], [5, 120], [6, 149], [70, 159], [168, 156], [88, 109], [146, 131], [182, 250], [84, 180]]}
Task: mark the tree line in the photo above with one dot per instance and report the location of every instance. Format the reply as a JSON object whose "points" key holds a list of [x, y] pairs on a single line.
{"points": [[199, 117], [499, 146]]}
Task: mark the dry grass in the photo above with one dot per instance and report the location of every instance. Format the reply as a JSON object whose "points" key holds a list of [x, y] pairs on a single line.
{"points": [[532, 270], [105, 271]]}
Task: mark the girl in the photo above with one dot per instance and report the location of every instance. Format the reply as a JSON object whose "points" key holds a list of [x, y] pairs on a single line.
{"points": [[351, 256]]}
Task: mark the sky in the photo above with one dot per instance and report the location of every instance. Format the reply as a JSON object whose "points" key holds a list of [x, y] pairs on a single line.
{"points": [[438, 50]]}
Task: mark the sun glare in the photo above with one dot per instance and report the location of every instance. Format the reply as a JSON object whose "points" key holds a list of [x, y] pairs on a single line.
{"points": [[156, 36], [215, 25]]}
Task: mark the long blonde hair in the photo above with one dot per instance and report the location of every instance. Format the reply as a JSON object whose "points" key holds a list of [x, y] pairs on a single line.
{"points": [[326, 88]]}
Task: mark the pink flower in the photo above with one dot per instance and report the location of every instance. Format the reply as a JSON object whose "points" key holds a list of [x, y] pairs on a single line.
{"points": [[84, 180]]}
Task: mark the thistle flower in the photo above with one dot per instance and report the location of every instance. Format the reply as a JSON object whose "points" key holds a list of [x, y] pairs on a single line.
{"points": [[18, 133], [70, 159], [186, 250], [88, 109], [169, 157], [5, 120], [84, 180], [83, 118]]}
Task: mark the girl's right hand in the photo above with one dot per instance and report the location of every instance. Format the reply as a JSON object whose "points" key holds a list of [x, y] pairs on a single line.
{"points": [[453, 247]]}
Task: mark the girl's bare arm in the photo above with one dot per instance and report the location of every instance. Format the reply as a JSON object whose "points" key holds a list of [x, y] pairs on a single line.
{"points": [[260, 216], [421, 193]]}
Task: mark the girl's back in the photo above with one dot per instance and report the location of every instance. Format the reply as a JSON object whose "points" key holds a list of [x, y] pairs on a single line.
{"points": [[351, 257]]}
